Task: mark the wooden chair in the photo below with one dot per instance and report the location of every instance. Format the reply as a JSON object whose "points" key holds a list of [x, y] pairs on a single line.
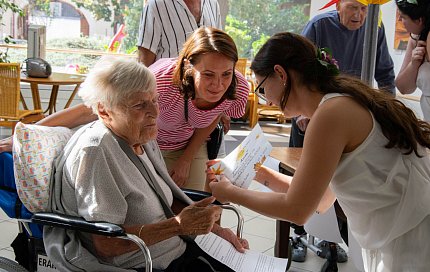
{"points": [[252, 97], [10, 94]]}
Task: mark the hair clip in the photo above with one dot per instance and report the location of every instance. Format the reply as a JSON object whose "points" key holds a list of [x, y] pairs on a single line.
{"points": [[326, 59]]}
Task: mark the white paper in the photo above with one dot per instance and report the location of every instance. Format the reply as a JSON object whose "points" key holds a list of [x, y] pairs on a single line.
{"points": [[239, 166], [272, 163], [324, 226], [250, 261]]}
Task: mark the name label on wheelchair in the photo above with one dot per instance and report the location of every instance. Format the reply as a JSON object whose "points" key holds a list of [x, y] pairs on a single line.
{"points": [[44, 264]]}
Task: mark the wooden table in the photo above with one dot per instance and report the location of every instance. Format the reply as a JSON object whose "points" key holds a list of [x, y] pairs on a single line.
{"points": [[55, 79], [289, 158]]}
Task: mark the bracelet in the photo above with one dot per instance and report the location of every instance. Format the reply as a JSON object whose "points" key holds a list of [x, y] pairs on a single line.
{"points": [[140, 230]]}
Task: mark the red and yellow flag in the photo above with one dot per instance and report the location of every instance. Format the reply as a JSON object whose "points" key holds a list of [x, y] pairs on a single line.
{"points": [[364, 2]]}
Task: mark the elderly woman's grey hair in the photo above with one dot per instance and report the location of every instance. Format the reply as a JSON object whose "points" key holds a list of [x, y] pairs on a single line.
{"points": [[113, 80]]}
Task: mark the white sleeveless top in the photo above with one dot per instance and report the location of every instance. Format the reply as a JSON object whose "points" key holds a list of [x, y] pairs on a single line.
{"points": [[423, 83], [383, 193]]}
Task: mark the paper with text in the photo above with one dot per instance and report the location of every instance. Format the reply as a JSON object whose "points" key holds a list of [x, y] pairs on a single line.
{"points": [[249, 261], [239, 166]]}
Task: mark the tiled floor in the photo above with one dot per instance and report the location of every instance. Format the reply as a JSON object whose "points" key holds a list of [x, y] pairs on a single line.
{"points": [[258, 230]]}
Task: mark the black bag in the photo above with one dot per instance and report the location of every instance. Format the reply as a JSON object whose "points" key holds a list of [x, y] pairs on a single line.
{"points": [[215, 141]]}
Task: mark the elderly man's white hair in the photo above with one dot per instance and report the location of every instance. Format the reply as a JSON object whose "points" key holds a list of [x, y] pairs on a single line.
{"points": [[113, 80]]}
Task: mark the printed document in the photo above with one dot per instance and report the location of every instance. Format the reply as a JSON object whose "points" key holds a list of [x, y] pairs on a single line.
{"points": [[250, 261], [242, 163]]}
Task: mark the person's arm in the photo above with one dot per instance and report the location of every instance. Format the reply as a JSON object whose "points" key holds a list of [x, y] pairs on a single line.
{"points": [[228, 235], [70, 117], [273, 180], [384, 69], [329, 135], [428, 48], [180, 172], [150, 32], [196, 219], [406, 80], [146, 56]]}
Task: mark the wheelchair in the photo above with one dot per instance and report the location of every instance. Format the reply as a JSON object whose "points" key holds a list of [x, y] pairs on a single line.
{"points": [[33, 257], [35, 246]]}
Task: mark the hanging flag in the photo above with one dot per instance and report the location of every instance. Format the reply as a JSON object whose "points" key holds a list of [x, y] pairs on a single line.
{"points": [[115, 43], [364, 2]]}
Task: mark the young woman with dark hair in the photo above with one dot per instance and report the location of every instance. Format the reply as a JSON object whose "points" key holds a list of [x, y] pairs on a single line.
{"points": [[362, 147], [415, 70]]}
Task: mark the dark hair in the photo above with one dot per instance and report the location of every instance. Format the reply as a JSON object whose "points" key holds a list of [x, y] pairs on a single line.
{"points": [[294, 52], [416, 11], [204, 40]]}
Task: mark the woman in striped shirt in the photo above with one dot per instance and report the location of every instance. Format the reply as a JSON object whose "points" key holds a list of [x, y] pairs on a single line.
{"points": [[196, 91]]}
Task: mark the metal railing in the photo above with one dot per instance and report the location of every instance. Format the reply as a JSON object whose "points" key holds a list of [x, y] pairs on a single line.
{"points": [[72, 51]]}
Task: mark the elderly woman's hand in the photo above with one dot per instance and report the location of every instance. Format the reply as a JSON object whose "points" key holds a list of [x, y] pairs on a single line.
{"points": [[221, 189], [180, 172], [228, 235], [199, 217], [6, 145]]}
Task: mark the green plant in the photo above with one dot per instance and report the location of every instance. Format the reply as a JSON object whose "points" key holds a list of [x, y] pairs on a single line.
{"points": [[6, 5], [250, 23]]}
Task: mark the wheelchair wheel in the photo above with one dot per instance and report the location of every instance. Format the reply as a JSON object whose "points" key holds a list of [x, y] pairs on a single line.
{"points": [[7, 265]]}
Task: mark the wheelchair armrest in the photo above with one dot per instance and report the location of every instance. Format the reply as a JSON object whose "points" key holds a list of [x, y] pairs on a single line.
{"points": [[100, 228], [196, 195], [199, 195], [77, 223]]}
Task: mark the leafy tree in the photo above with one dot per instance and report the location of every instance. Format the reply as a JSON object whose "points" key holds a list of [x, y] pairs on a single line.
{"points": [[240, 33], [109, 10], [132, 14], [118, 12], [256, 45], [261, 19], [6, 5]]}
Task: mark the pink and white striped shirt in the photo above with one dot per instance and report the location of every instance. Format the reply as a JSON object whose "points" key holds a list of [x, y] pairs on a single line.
{"points": [[174, 131]]}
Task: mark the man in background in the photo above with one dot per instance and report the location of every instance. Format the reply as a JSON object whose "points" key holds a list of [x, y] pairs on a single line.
{"points": [[166, 24], [342, 31]]}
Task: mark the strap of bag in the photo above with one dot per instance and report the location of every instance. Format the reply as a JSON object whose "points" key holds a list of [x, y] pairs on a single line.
{"points": [[186, 109]]}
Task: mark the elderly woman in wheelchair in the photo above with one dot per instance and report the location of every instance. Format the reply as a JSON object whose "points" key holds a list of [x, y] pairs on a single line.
{"points": [[112, 170]]}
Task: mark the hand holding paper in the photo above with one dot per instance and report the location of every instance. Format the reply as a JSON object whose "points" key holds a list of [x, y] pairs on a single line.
{"points": [[242, 163]]}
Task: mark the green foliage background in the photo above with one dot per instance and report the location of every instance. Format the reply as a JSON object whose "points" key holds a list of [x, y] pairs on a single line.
{"points": [[249, 22], [252, 22]]}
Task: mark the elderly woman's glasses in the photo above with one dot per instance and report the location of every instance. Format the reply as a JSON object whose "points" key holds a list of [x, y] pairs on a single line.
{"points": [[259, 91]]}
